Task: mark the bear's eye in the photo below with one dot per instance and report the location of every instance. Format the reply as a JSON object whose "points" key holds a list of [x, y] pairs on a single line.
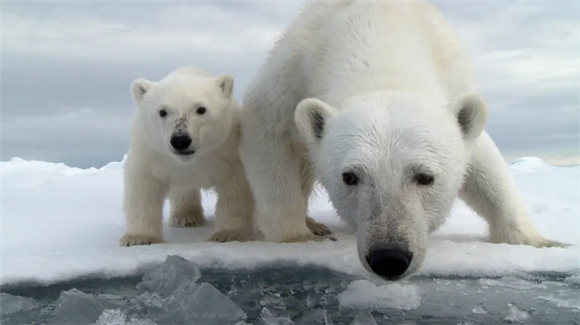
{"points": [[201, 110], [163, 112], [350, 179], [424, 179]]}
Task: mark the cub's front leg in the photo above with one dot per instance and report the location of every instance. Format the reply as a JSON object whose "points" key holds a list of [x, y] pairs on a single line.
{"points": [[185, 206], [234, 210], [143, 206]]}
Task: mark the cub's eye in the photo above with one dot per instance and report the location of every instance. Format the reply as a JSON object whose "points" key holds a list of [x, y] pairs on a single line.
{"points": [[350, 179], [424, 179], [201, 110], [163, 112]]}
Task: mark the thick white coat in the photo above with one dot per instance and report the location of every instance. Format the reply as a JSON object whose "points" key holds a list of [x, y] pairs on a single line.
{"points": [[154, 172], [383, 91]]}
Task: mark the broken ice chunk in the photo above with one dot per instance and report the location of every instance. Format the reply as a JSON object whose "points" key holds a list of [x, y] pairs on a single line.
{"points": [[364, 318], [140, 322], [148, 300], [110, 297], [479, 309], [283, 320], [145, 304], [511, 282], [271, 317], [111, 317], [185, 291], [203, 304], [316, 317], [272, 301], [310, 302], [363, 294], [169, 276], [76, 307], [15, 304], [516, 314], [116, 317]]}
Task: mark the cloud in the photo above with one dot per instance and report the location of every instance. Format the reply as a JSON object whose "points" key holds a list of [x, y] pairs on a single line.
{"points": [[190, 30], [527, 59], [67, 67], [74, 135]]}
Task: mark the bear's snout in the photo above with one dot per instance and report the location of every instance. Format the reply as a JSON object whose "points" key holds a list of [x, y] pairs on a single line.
{"points": [[389, 260], [180, 142]]}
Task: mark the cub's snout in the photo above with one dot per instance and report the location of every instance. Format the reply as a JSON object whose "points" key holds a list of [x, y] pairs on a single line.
{"points": [[181, 142]]}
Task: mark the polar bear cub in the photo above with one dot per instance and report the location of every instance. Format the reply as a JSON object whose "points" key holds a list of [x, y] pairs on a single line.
{"points": [[184, 138]]}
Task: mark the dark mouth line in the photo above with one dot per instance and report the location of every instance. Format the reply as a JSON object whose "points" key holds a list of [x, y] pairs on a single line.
{"points": [[184, 153]]}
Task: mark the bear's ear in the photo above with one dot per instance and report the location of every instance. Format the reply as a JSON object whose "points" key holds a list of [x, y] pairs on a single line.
{"points": [[139, 87], [226, 83], [311, 117], [471, 113]]}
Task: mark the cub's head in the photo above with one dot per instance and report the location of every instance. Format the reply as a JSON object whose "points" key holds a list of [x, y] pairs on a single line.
{"points": [[392, 166], [186, 114]]}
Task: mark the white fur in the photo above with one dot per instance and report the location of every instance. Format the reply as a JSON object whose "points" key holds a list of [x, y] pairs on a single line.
{"points": [[153, 171], [391, 85]]}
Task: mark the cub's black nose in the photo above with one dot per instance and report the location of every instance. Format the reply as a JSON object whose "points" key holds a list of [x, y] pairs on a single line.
{"points": [[389, 260], [180, 142]]}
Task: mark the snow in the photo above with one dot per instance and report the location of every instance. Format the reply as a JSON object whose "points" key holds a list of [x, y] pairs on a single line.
{"points": [[61, 223], [362, 294]]}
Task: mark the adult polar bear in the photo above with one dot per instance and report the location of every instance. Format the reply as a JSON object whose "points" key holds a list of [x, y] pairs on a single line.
{"points": [[377, 101]]}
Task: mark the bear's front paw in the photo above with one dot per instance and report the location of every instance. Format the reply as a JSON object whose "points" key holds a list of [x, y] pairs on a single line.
{"points": [[523, 237], [317, 228], [192, 219], [552, 243], [538, 242], [224, 236], [129, 240], [306, 238]]}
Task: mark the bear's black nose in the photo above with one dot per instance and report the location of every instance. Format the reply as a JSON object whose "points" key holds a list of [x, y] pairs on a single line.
{"points": [[389, 260], [180, 142]]}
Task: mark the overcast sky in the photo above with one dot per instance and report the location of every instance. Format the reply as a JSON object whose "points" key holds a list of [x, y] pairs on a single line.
{"points": [[67, 68]]}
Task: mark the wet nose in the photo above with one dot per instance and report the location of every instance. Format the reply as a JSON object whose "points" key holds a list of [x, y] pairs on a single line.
{"points": [[180, 142], [389, 260]]}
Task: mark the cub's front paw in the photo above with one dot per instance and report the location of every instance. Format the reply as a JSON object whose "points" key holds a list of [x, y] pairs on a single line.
{"points": [[129, 240], [317, 228], [224, 236], [195, 219]]}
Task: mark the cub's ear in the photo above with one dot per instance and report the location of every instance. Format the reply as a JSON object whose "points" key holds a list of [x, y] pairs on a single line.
{"points": [[471, 113], [226, 83], [139, 87], [311, 117]]}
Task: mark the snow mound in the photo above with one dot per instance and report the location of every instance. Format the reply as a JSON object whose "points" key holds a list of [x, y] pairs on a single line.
{"points": [[529, 165]]}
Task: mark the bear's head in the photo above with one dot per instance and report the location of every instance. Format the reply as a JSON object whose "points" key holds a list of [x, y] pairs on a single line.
{"points": [[186, 114], [393, 166]]}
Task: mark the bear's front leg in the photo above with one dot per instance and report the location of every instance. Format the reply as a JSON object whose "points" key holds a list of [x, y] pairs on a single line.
{"points": [[491, 191], [273, 171], [143, 206], [234, 210], [308, 178], [185, 206]]}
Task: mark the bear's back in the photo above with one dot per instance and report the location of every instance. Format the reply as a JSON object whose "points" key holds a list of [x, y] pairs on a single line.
{"points": [[335, 42]]}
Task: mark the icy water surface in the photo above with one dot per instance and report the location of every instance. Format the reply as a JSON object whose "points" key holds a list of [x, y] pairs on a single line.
{"points": [[178, 293]]}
